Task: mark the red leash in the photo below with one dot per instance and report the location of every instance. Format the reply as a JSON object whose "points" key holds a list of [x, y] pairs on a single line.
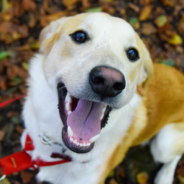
{"points": [[12, 100], [21, 160]]}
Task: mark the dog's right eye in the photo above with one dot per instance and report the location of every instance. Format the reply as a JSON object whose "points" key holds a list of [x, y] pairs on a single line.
{"points": [[79, 37]]}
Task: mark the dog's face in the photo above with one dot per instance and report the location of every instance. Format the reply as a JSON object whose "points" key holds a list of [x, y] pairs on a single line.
{"points": [[96, 62]]}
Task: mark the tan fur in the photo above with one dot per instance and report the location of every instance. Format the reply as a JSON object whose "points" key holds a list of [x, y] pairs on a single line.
{"points": [[163, 103]]}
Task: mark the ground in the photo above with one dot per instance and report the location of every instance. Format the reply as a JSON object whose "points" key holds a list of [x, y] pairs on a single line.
{"points": [[160, 23]]}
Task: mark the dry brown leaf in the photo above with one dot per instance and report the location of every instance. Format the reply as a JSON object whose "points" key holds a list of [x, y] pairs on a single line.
{"points": [[3, 83], [10, 32], [145, 12], [32, 20], [29, 5], [181, 25], [12, 71], [113, 181], [133, 7], [70, 4], [17, 8], [148, 29], [86, 4], [26, 176], [170, 3], [19, 129], [45, 20], [2, 134], [142, 177], [108, 8]]}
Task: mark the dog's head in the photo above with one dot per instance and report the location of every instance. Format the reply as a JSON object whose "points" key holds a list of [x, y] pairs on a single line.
{"points": [[96, 62]]}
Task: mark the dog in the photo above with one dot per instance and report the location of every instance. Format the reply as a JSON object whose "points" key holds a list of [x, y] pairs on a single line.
{"points": [[93, 93]]}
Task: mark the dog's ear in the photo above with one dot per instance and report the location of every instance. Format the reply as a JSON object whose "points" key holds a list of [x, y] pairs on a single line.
{"points": [[49, 35], [147, 67]]}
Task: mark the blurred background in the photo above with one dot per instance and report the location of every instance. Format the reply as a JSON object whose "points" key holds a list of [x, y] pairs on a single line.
{"points": [[160, 24]]}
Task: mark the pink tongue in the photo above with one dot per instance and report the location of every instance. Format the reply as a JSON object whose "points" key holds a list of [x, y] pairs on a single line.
{"points": [[85, 119]]}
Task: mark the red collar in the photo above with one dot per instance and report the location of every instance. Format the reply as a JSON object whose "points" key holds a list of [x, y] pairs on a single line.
{"points": [[21, 160]]}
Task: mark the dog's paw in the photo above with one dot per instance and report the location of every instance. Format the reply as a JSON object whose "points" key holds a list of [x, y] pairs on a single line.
{"points": [[166, 174]]}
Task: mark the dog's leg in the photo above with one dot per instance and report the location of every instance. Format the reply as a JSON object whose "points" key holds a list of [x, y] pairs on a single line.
{"points": [[167, 148]]}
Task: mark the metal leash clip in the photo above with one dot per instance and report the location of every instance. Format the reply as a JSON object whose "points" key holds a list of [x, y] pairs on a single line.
{"points": [[2, 177]]}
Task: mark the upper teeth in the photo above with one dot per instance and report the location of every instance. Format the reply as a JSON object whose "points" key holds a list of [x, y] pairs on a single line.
{"points": [[68, 100], [70, 132], [93, 139], [103, 110]]}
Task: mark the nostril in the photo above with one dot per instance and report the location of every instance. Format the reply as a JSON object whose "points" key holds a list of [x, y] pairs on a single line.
{"points": [[98, 80], [118, 86]]}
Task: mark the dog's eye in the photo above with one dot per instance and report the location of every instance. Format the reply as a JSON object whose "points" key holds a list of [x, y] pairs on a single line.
{"points": [[79, 37], [132, 54]]}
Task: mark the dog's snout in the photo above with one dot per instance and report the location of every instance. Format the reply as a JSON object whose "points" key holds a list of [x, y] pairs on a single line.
{"points": [[107, 82]]}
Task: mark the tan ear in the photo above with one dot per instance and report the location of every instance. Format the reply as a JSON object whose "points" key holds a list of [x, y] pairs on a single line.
{"points": [[49, 34], [147, 68]]}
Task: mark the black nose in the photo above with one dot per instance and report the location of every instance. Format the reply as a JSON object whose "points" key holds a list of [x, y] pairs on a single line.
{"points": [[107, 82]]}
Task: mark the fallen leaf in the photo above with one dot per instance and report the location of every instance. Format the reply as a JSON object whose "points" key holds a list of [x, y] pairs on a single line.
{"points": [[168, 62], [161, 20], [111, 174], [2, 134], [70, 4], [97, 9], [32, 20], [5, 5], [29, 5], [148, 29], [26, 176], [181, 25], [3, 55], [108, 8], [16, 120], [176, 40], [170, 3], [134, 22], [19, 129], [142, 177], [133, 7], [145, 12], [113, 181], [3, 83], [12, 71], [15, 81], [45, 20], [25, 65]]}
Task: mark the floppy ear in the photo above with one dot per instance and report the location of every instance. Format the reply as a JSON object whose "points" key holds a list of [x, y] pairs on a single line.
{"points": [[147, 67], [49, 34]]}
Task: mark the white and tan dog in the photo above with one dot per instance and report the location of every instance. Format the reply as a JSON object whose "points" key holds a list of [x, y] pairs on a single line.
{"points": [[92, 65]]}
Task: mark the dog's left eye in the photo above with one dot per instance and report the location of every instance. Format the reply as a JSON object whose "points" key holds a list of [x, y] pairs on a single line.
{"points": [[79, 37], [132, 54]]}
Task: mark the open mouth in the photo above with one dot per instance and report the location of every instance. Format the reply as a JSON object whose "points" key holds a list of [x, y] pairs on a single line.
{"points": [[82, 120]]}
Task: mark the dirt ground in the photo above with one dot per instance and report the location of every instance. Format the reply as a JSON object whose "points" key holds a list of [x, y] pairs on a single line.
{"points": [[160, 23]]}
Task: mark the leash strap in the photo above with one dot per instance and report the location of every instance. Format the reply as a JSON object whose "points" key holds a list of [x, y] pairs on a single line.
{"points": [[21, 160], [12, 100]]}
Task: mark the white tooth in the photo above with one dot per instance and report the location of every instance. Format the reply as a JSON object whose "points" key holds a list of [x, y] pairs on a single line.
{"points": [[83, 144], [88, 144], [80, 145], [67, 106], [69, 112], [75, 141], [101, 116], [77, 144], [93, 139], [68, 98], [70, 139], [70, 132]]}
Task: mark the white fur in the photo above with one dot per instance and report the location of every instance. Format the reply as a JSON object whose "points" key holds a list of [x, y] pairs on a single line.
{"points": [[110, 38]]}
